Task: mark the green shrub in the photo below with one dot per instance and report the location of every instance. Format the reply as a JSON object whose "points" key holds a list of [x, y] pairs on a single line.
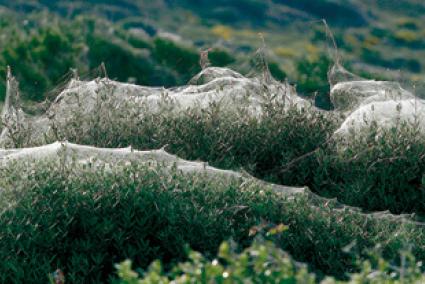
{"points": [[263, 145], [376, 172], [122, 63], [312, 80], [408, 37], [220, 58], [383, 173], [374, 56], [40, 60], [181, 59], [83, 220], [260, 263], [276, 71], [263, 262]]}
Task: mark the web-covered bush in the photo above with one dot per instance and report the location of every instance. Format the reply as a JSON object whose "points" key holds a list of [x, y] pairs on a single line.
{"points": [[83, 220]]}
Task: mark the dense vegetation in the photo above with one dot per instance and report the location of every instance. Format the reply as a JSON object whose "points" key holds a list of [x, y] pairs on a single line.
{"points": [[264, 263], [371, 171], [42, 55], [84, 220], [131, 34]]}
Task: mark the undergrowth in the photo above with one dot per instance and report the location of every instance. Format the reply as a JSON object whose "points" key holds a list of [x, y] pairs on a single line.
{"points": [[263, 262], [226, 138], [376, 169], [286, 145], [84, 220]]}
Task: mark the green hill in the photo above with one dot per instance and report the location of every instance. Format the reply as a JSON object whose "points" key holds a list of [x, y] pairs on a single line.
{"points": [[379, 38]]}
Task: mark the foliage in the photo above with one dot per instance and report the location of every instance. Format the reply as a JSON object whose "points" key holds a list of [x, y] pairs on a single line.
{"points": [[377, 170], [276, 71], [41, 56], [40, 60], [374, 56], [408, 37], [312, 79], [262, 145], [223, 32], [123, 64], [339, 13], [220, 58], [260, 263], [183, 60], [263, 262], [84, 219]]}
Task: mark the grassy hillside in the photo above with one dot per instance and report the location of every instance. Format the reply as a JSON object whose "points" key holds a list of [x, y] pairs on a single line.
{"points": [[379, 38], [361, 220]]}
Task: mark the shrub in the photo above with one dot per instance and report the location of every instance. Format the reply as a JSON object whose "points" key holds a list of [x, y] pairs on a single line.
{"points": [[223, 32], [181, 59], [376, 171], [122, 63], [381, 172], [337, 13], [408, 37], [83, 220], [220, 58], [260, 263], [408, 23], [263, 262], [312, 80], [276, 71], [226, 139], [39, 61]]}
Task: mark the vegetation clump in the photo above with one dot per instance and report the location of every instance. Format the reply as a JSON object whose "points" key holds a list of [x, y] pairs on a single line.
{"points": [[84, 220], [263, 262]]}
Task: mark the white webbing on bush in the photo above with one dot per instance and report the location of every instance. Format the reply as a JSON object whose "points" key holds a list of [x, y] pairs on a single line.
{"points": [[87, 156], [386, 114], [91, 156], [366, 103], [213, 86]]}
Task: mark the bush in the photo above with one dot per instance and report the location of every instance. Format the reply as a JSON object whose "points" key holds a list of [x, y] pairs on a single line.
{"points": [[376, 171], [183, 60], [337, 13], [123, 64], [276, 71], [409, 38], [220, 58], [226, 139], [39, 61], [374, 56], [312, 80], [41, 56], [83, 220], [263, 262], [260, 263]]}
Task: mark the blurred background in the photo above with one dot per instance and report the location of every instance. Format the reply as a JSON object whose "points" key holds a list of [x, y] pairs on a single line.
{"points": [[157, 42]]}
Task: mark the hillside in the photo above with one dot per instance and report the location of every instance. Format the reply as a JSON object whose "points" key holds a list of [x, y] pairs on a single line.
{"points": [[380, 39], [246, 141], [332, 189]]}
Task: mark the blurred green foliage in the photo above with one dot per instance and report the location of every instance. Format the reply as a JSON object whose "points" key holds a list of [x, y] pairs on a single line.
{"points": [[220, 58], [277, 72], [182, 60], [312, 79], [40, 60], [41, 55]]}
